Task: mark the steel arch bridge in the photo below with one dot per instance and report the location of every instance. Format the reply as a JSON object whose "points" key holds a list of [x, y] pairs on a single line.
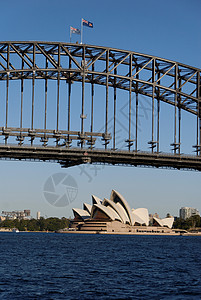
{"points": [[49, 110]]}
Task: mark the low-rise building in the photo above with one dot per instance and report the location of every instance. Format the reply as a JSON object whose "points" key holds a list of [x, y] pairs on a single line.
{"points": [[17, 214]]}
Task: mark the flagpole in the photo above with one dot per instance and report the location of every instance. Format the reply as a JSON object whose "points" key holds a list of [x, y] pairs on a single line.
{"points": [[70, 34], [81, 30]]}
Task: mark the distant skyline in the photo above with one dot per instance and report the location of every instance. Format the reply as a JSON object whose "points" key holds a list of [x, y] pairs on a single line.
{"points": [[169, 30]]}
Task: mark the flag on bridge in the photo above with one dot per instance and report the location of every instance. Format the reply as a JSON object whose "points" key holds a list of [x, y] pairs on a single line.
{"points": [[74, 30], [87, 23]]}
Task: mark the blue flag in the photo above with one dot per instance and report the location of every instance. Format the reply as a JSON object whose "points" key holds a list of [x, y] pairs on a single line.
{"points": [[87, 23], [74, 30]]}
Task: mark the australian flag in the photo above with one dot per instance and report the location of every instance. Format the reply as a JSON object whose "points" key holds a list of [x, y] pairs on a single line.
{"points": [[74, 30], [87, 23]]}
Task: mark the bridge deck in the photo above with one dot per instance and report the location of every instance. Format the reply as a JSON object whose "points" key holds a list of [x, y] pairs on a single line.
{"points": [[68, 157]]}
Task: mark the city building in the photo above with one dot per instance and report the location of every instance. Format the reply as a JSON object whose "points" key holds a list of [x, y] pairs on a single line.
{"points": [[187, 212], [38, 215], [17, 214], [151, 218], [115, 215]]}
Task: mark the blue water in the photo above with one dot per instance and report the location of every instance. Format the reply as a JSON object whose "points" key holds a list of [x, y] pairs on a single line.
{"points": [[74, 266]]}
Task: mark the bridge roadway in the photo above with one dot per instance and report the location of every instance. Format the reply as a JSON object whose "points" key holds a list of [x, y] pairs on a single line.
{"points": [[68, 157]]}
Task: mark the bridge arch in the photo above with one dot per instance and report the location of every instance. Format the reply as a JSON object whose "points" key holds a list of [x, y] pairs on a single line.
{"points": [[162, 80]]}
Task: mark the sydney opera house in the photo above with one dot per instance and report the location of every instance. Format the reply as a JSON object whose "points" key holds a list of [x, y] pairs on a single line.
{"points": [[114, 215]]}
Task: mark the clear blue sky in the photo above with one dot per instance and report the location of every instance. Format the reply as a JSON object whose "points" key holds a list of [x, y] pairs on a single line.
{"points": [[168, 29]]}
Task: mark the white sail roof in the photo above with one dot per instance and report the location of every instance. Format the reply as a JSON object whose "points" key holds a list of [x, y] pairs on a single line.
{"points": [[107, 210], [96, 200], [119, 199], [168, 222], [87, 207], [118, 208], [83, 214], [141, 216]]}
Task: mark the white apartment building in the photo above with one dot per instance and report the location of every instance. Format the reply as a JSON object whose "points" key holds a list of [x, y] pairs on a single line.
{"points": [[187, 212]]}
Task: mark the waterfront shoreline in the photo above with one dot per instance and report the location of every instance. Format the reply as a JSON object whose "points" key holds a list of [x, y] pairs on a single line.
{"points": [[112, 233], [132, 233]]}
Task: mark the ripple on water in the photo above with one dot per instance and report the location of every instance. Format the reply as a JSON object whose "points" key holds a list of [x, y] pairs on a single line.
{"points": [[62, 266]]}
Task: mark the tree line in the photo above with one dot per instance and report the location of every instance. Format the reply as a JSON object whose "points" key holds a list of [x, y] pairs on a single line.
{"points": [[190, 223], [49, 224], [54, 224]]}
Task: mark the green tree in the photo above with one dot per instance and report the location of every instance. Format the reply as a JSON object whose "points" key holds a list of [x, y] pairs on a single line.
{"points": [[50, 224], [192, 222]]}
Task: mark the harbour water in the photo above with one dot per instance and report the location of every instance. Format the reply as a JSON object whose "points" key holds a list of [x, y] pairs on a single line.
{"points": [[76, 266]]}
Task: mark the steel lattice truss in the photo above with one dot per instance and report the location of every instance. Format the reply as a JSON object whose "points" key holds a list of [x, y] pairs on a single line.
{"points": [[160, 79]]}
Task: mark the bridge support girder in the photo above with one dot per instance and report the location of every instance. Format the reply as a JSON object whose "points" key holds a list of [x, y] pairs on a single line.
{"points": [[64, 65]]}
